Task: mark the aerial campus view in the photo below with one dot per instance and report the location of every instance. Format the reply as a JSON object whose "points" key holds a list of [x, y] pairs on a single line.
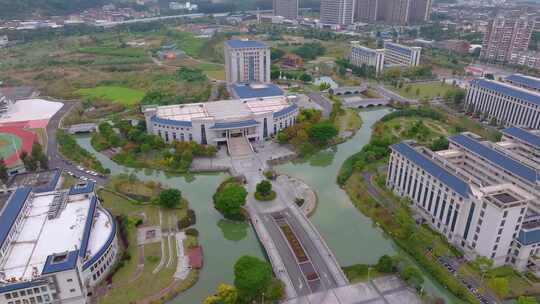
{"points": [[257, 151]]}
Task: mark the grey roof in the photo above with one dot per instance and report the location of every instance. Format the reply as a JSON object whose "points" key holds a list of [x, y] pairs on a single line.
{"points": [[525, 81], [239, 44], [527, 237], [495, 157], [285, 111], [172, 122], [235, 124], [397, 47], [243, 91], [508, 90], [102, 250], [88, 227], [12, 210], [523, 135], [86, 188], [69, 263], [452, 181]]}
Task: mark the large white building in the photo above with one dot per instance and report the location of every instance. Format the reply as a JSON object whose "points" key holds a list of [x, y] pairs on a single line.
{"points": [[361, 55], [55, 245], [393, 55], [400, 55], [484, 197], [515, 102], [247, 61], [259, 112]]}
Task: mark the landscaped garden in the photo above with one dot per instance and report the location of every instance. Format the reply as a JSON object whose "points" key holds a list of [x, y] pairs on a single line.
{"points": [[423, 90], [130, 282]]}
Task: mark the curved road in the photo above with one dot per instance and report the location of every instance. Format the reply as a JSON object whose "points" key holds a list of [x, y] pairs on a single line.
{"points": [[56, 160]]}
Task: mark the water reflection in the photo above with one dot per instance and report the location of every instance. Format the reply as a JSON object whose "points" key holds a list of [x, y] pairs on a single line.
{"points": [[232, 230]]}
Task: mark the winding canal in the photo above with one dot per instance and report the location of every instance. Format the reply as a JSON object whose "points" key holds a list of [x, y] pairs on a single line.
{"points": [[352, 237]]}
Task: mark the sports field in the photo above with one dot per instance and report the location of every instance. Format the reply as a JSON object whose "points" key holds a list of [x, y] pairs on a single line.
{"points": [[125, 96], [9, 144]]}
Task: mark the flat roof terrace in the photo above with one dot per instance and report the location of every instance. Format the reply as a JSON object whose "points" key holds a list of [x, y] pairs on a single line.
{"points": [[41, 236]]}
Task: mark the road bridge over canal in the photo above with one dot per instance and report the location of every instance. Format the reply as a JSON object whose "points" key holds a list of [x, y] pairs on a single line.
{"points": [[299, 255]]}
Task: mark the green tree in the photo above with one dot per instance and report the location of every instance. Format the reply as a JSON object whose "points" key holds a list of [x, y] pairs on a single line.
{"points": [[306, 77], [412, 276], [323, 132], [230, 199], [264, 187], [3, 171], [170, 198], [499, 286], [252, 277], [526, 300], [276, 54], [439, 144], [385, 264]]}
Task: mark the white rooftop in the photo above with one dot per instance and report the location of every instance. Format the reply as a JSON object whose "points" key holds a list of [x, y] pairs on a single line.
{"points": [[31, 109], [223, 110], [41, 237]]}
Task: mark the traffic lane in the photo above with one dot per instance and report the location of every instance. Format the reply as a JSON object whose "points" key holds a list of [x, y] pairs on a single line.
{"points": [[287, 256], [316, 257]]}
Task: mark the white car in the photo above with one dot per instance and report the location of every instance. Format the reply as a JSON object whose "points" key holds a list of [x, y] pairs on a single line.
{"points": [[84, 178]]}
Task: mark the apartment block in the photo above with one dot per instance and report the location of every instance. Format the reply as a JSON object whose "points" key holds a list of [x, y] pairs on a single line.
{"points": [[339, 13], [506, 37], [401, 55], [399, 12], [286, 8], [361, 55], [509, 103], [482, 196]]}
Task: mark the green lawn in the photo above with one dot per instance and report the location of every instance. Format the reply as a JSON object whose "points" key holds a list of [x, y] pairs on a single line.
{"points": [[425, 90], [126, 289], [113, 51], [125, 96], [212, 70]]}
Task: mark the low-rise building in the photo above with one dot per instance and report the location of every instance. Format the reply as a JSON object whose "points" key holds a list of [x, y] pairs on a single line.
{"points": [[54, 246], [361, 55], [254, 118], [4, 41], [505, 102], [482, 196], [398, 54]]}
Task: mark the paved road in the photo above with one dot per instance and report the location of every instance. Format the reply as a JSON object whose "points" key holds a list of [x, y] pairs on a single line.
{"points": [[322, 101], [56, 160], [391, 95]]}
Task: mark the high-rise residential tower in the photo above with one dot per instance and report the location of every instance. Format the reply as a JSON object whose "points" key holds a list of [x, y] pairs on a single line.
{"points": [[400, 12], [507, 36], [366, 10], [286, 8], [337, 12], [247, 61]]}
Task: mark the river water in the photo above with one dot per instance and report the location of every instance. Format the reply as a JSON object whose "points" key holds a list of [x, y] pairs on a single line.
{"points": [[351, 236]]}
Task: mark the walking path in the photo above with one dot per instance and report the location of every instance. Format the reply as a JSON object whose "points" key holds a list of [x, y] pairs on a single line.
{"points": [[182, 267]]}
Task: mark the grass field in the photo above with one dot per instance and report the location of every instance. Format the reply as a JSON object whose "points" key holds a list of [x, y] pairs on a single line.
{"points": [[212, 70], [125, 96], [113, 51], [127, 288], [425, 90]]}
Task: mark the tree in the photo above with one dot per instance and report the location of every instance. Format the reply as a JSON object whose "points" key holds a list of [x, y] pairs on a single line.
{"points": [[412, 276], [385, 264], [3, 171], [323, 132], [440, 143], [252, 277], [499, 286], [226, 294], [170, 198], [483, 264], [264, 187], [230, 199], [526, 300], [306, 77], [276, 54]]}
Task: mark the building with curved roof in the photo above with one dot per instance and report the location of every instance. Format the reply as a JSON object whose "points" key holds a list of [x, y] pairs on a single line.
{"points": [[213, 123], [54, 245]]}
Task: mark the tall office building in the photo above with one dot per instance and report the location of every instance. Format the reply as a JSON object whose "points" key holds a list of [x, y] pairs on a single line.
{"points": [[400, 12], [507, 36], [337, 12], [247, 61], [366, 10], [361, 55], [286, 8]]}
